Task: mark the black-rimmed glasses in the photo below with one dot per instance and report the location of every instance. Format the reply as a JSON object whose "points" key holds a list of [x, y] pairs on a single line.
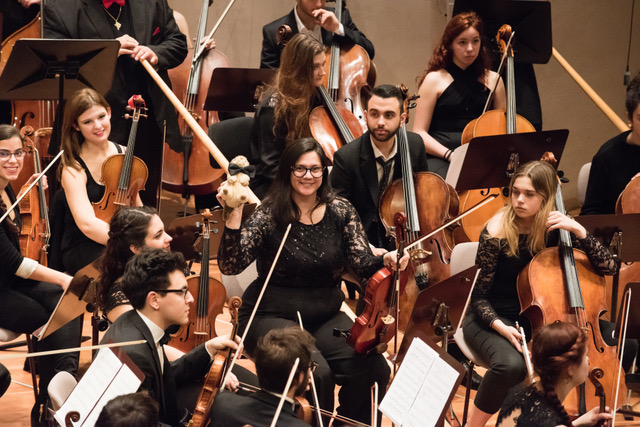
{"points": [[183, 291], [301, 171], [6, 155]]}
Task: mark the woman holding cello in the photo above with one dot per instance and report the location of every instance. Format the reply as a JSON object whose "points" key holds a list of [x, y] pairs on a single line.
{"points": [[526, 226], [326, 236], [283, 114], [29, 291], [454, 89], [86, 145], [560, 358]]}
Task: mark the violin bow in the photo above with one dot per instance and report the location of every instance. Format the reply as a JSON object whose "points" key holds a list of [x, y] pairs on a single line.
{"points": [[525, 353], [374, 404], [495, 85], [255, 307], [313, 383], [72, 349], [285, 392], [199, 53], [191, 122], [35, 181]]}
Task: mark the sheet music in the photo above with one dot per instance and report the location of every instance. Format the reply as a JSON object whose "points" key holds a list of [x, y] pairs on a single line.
{"points": [[420, 389], [455, 166], [106, 378]]}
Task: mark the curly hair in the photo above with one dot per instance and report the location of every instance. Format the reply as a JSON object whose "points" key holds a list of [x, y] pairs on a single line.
{"points": [[72, 139], [443, 53], [633, 96], [129, 226], [293, 87], [148, 271], [556, 347], [279, 199], [8, 132]]}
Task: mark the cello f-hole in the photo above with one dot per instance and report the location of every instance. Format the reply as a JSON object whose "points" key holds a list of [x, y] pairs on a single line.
{"points": [[599, 349]]}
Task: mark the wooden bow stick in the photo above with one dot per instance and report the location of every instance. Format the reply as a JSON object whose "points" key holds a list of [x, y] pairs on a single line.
{"points": [[195, 127], [285, 392], [72, 349]]}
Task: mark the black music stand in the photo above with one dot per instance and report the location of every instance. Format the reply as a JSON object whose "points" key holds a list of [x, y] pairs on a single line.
{"points": [[490, 161], [531, 21], [610, 230], [39, 68], [237, 89]]}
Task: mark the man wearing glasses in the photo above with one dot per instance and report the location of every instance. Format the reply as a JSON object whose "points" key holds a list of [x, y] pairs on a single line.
{"points": [[156, 286]]}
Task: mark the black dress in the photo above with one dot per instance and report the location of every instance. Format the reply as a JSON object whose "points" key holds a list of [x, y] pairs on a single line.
{"points": [[529, 408], [78, 250], [462, 101], [306, 279]]}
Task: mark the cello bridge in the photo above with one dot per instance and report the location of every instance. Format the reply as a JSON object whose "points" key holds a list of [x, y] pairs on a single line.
{"points": [[419, 254], [388, 319]]}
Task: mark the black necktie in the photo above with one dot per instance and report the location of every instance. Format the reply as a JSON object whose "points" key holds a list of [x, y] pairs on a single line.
{"points": [[386, 173]]}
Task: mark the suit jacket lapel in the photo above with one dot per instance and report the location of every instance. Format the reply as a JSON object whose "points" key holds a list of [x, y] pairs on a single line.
{"points": [[96, 15], [368, 168]]}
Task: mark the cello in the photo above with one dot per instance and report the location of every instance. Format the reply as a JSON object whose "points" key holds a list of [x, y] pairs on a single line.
{"points": [[426, 209], [210, 296], [189, 172], [124, 175], [562, 284], [493, 122], [35, 233], [350, 73]]}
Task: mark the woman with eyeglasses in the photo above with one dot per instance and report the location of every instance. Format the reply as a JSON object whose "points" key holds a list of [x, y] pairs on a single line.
{"points": [[326, 238], [29, 291]]}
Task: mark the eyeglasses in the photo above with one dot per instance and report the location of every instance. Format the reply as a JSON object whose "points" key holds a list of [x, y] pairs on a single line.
{"points": [[301, 171], [6, 155], [183, 291]]}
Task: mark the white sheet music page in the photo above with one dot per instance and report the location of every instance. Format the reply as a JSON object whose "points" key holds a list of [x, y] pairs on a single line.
{"points": [[106, 378], [420, 389]]}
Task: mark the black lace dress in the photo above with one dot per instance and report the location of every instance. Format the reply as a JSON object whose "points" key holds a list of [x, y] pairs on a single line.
{"points": [[529, 408], [306, 278], [495, 296]]}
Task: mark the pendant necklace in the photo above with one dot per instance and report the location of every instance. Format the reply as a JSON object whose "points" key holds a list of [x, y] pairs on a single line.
{"points": [[115, 20]]}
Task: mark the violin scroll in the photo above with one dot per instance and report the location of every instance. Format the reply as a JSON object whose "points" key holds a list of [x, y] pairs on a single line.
{"points": [[283, 35]]}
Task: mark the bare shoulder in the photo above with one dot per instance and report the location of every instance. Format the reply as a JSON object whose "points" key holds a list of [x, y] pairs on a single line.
{"points": [[436, 82], [494, 225]]}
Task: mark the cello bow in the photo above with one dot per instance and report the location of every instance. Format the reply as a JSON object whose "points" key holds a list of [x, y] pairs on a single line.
{"points": [[193, 124]]}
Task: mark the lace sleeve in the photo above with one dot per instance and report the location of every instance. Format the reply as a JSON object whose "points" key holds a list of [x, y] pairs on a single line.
{"points": [[599, 255], [487, 260], [239, 248], [359, 254]]}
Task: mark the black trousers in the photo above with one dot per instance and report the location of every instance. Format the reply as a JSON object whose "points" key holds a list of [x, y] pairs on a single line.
{"points": [[24, 307], [506, 365], [338, 363]]}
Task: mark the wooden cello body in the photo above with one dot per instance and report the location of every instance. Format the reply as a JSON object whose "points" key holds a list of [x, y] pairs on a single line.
{"points": [[210, 296], [560, 283], [191, 83], [493, 122]]}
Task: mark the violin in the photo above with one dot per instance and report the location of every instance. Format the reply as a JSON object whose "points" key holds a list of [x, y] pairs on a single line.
{"points": [[35, 233], [377, 324], [350, 74], [210, 296], [189, 172], [213, 382], [124, 175], [493, 122], [562, 284], [428, 201]]}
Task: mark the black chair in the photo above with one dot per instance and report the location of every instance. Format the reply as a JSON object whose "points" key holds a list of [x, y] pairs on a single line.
{"points": [[232, 137]]}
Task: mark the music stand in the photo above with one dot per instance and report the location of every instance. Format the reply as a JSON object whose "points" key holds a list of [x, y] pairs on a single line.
{"points": [[489, 161], [79, 297], [531, 21], [610, 230], [39, 68], [237, 89]]}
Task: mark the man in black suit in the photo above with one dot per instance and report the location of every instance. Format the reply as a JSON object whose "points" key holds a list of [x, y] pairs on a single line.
{"points": [[146, 30], [155, 284], [357, 173], [274, 357], [310, 17]]}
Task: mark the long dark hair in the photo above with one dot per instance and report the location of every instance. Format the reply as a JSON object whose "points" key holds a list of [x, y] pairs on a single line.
{"points": [[8, 132], [555, 348], [443, 53], [129, 226], [279, 199]]}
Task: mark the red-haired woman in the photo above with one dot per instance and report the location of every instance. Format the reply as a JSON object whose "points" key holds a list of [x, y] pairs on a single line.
{"points": [[559, 356], [454, 89]]}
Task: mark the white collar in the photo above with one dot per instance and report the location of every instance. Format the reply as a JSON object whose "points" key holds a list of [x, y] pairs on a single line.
{"points": [[156, 331]]}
